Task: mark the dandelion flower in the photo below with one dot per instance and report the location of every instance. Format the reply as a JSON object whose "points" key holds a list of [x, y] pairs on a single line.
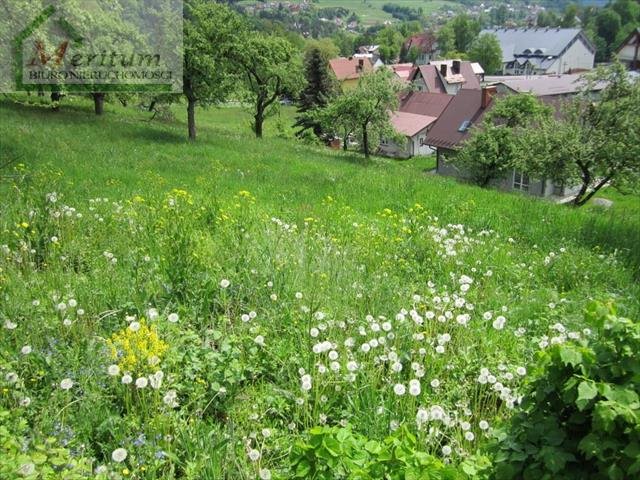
{"points": [[134, 326], [113, 370], [298, 295], [414, 387], [119, 455], [469, 436], [73, 303], [126, 379], [435, 383], [254, 455], [499, 322], [259, 340], [224, 283], [26, 350], [173, 317], [170, 399], [155, 380], [265, 474], [352, 366], [399, 389], [9, 325], [142, 382], [484, 425], [66, 384], [314, 332], [25, 402], [521, 371], [446, 450]]}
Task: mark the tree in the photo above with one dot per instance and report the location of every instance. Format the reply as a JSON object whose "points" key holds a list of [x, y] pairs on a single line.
{"points": [[569, 16], [608, 23], [487, 52], [492, 149], [366, 108], [345, 43], [594, 143], [465, 30], [320, 88], [269, 68], [390, 41], [446, 41], [210, 34], [328, 49]]}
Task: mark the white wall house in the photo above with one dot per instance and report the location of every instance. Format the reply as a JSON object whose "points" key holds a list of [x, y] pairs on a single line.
{"points": [[629, 51], [414, 127], [544, 51]]}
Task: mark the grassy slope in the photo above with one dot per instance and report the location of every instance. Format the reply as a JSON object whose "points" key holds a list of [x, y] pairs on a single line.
{"points": [[354, 258], [132, 156], [370, 11]]}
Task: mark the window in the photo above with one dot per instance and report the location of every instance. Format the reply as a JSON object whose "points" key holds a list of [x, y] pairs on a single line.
{"points": [[464, 126], [520, 181], [384, 141]]}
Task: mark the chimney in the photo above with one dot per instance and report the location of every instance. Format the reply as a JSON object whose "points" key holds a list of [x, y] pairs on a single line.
{"points": [[443, 69], [456, 67], [488, 93]]}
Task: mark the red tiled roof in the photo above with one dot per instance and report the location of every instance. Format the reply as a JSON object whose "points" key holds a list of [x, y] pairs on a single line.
{"points": [[433, 79], [466, 106], [424, 42], [410, 123], [348, 68], [425, 103]]}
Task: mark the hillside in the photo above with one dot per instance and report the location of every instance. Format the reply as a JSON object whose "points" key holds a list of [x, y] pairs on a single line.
{"points": [[276, 287]]}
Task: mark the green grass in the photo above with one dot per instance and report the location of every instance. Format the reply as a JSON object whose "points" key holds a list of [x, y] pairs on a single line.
{"points": [[163, 221], [370, 11]]}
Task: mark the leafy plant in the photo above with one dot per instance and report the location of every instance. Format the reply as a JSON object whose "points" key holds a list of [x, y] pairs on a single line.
{"points": [[334, 452], [582, 417]]}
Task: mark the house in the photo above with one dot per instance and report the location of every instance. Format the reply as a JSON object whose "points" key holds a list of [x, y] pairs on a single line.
{"points": [[349, 70], [414, 127], [559, 86], [425, 46], [445, 76], [465, 111], [373, 51], [402, 70], [542, 51], [629, 51], [417, 113], [425, 103]]}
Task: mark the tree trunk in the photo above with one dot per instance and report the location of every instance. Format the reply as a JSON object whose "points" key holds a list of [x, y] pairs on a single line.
{"points": [[152, 105], [55, 100], [258, 121], [191, 118], [345, 143], [365, 140], [98, 102]]}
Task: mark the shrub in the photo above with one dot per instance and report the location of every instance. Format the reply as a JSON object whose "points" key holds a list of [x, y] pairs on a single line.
{"points": [[581, 419]]}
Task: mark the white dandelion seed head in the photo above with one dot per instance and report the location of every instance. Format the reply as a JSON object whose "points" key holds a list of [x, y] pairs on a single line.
{"points": [[119, 455]]}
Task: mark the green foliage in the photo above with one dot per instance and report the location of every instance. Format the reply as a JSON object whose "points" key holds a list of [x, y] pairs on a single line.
{"points": [[320, 88], [594, 143], [390, 41], [270, 68], [492, 150], [339, 453], [486, 50], [42, 459], [581, 419], [365, 109], [465, 30]]}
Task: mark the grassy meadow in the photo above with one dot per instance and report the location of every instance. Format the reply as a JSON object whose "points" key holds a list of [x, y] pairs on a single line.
{"points": [[194, 310], [370, 11]]}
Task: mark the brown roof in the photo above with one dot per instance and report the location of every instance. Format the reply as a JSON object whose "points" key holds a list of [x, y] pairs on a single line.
{"points": [[466, 106], [424, 42], [425, 103], [434, 80], [410, 123], [350, 68]]}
